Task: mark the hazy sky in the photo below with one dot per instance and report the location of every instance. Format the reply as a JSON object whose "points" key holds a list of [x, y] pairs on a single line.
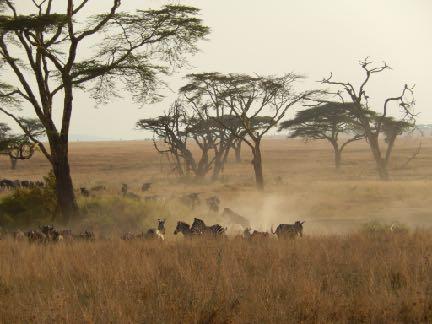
{"points": [[312, 37]]}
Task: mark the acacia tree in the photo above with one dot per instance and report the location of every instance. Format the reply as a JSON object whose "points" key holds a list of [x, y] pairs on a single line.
{"points": [[45, 51], [373, 122], [20, 146], [259, 103], [174, 129], [326, 122]]}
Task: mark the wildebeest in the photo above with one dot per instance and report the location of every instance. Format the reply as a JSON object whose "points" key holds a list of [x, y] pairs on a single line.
{"points": [[191, 199], [84, 192], [199, 227], [146, 186], [213, 203], [255, 235], [290, 231], [232, 217], [124, 189]]}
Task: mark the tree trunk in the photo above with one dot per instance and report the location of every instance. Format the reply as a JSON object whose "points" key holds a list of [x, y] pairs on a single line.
{"points": [[13, 163], [381, 163], [338, 159], [66, 202], [337, 154], [237, 149], [257, 164]]}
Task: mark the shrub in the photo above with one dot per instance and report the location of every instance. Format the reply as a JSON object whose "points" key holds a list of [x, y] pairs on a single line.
{"points": [[29, 206]]}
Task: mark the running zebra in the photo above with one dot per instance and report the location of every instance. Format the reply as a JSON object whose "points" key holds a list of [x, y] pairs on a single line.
{"points": [[185, 229], [199, 227]]}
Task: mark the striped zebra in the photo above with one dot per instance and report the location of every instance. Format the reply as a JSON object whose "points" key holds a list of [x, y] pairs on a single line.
{"points": [[199, 227], [185, 229], [290, 231]]}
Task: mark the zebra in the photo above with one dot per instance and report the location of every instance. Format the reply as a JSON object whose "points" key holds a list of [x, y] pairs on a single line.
{"points": [[36, 236], [158, 233], [86, 236], [199, 227], [290, 231], [51, 233], [185, 229], [66, 234]]}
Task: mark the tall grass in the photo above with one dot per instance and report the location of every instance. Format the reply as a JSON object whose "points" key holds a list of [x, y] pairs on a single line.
{"points": [[353, 278]]}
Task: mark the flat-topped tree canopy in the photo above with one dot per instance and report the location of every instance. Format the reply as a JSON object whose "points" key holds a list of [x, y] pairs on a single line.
{"points": [[258, 103], [322, 121], [130, 52]]}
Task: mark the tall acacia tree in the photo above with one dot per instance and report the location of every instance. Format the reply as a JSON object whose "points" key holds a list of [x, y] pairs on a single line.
{"points": [[373, 121], [46, 50], [259, 103], [327, 122]]}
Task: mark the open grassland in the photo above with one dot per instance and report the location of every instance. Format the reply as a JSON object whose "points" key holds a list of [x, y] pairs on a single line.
{"points": [[340, 271], [308, 188], [344, 279]]}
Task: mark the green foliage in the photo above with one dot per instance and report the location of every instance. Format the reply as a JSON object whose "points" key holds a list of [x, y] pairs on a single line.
{"points": [[31, 22], [33, 206]]}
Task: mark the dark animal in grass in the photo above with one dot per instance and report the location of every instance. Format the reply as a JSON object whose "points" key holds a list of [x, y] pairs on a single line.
{"points": [[289, 231]]}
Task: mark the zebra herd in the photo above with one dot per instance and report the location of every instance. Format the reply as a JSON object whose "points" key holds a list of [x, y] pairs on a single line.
{"points": [[198, 229], [48, 233], [6, 184]]}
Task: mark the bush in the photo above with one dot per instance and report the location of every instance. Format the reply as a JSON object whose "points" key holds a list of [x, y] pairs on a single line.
{"points": [[29, 206]]}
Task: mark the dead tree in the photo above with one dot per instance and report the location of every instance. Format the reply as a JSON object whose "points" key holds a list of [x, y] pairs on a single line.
{"points": [[374, 123], [327, 122]]}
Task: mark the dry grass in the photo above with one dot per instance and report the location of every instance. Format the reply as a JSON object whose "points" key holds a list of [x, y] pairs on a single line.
{"points": [[354, 279], [333, 274]]}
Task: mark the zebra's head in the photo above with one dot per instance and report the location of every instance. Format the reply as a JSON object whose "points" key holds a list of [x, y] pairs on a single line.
{"points": [[161, 225], [181, 228]]}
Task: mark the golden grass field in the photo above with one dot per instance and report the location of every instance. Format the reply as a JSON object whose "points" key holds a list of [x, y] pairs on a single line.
{"points": [[340, 271]]}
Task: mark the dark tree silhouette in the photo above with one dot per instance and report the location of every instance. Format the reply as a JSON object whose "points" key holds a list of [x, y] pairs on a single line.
{"points": [[258, 102], [130, 51], [371, 121], [328, 122]]}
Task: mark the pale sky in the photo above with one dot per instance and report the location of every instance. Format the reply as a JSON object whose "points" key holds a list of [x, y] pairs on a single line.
{"points": [[311, 37]]}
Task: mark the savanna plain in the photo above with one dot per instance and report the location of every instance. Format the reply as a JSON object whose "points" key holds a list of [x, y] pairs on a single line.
{"points": [[350, 266]]}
